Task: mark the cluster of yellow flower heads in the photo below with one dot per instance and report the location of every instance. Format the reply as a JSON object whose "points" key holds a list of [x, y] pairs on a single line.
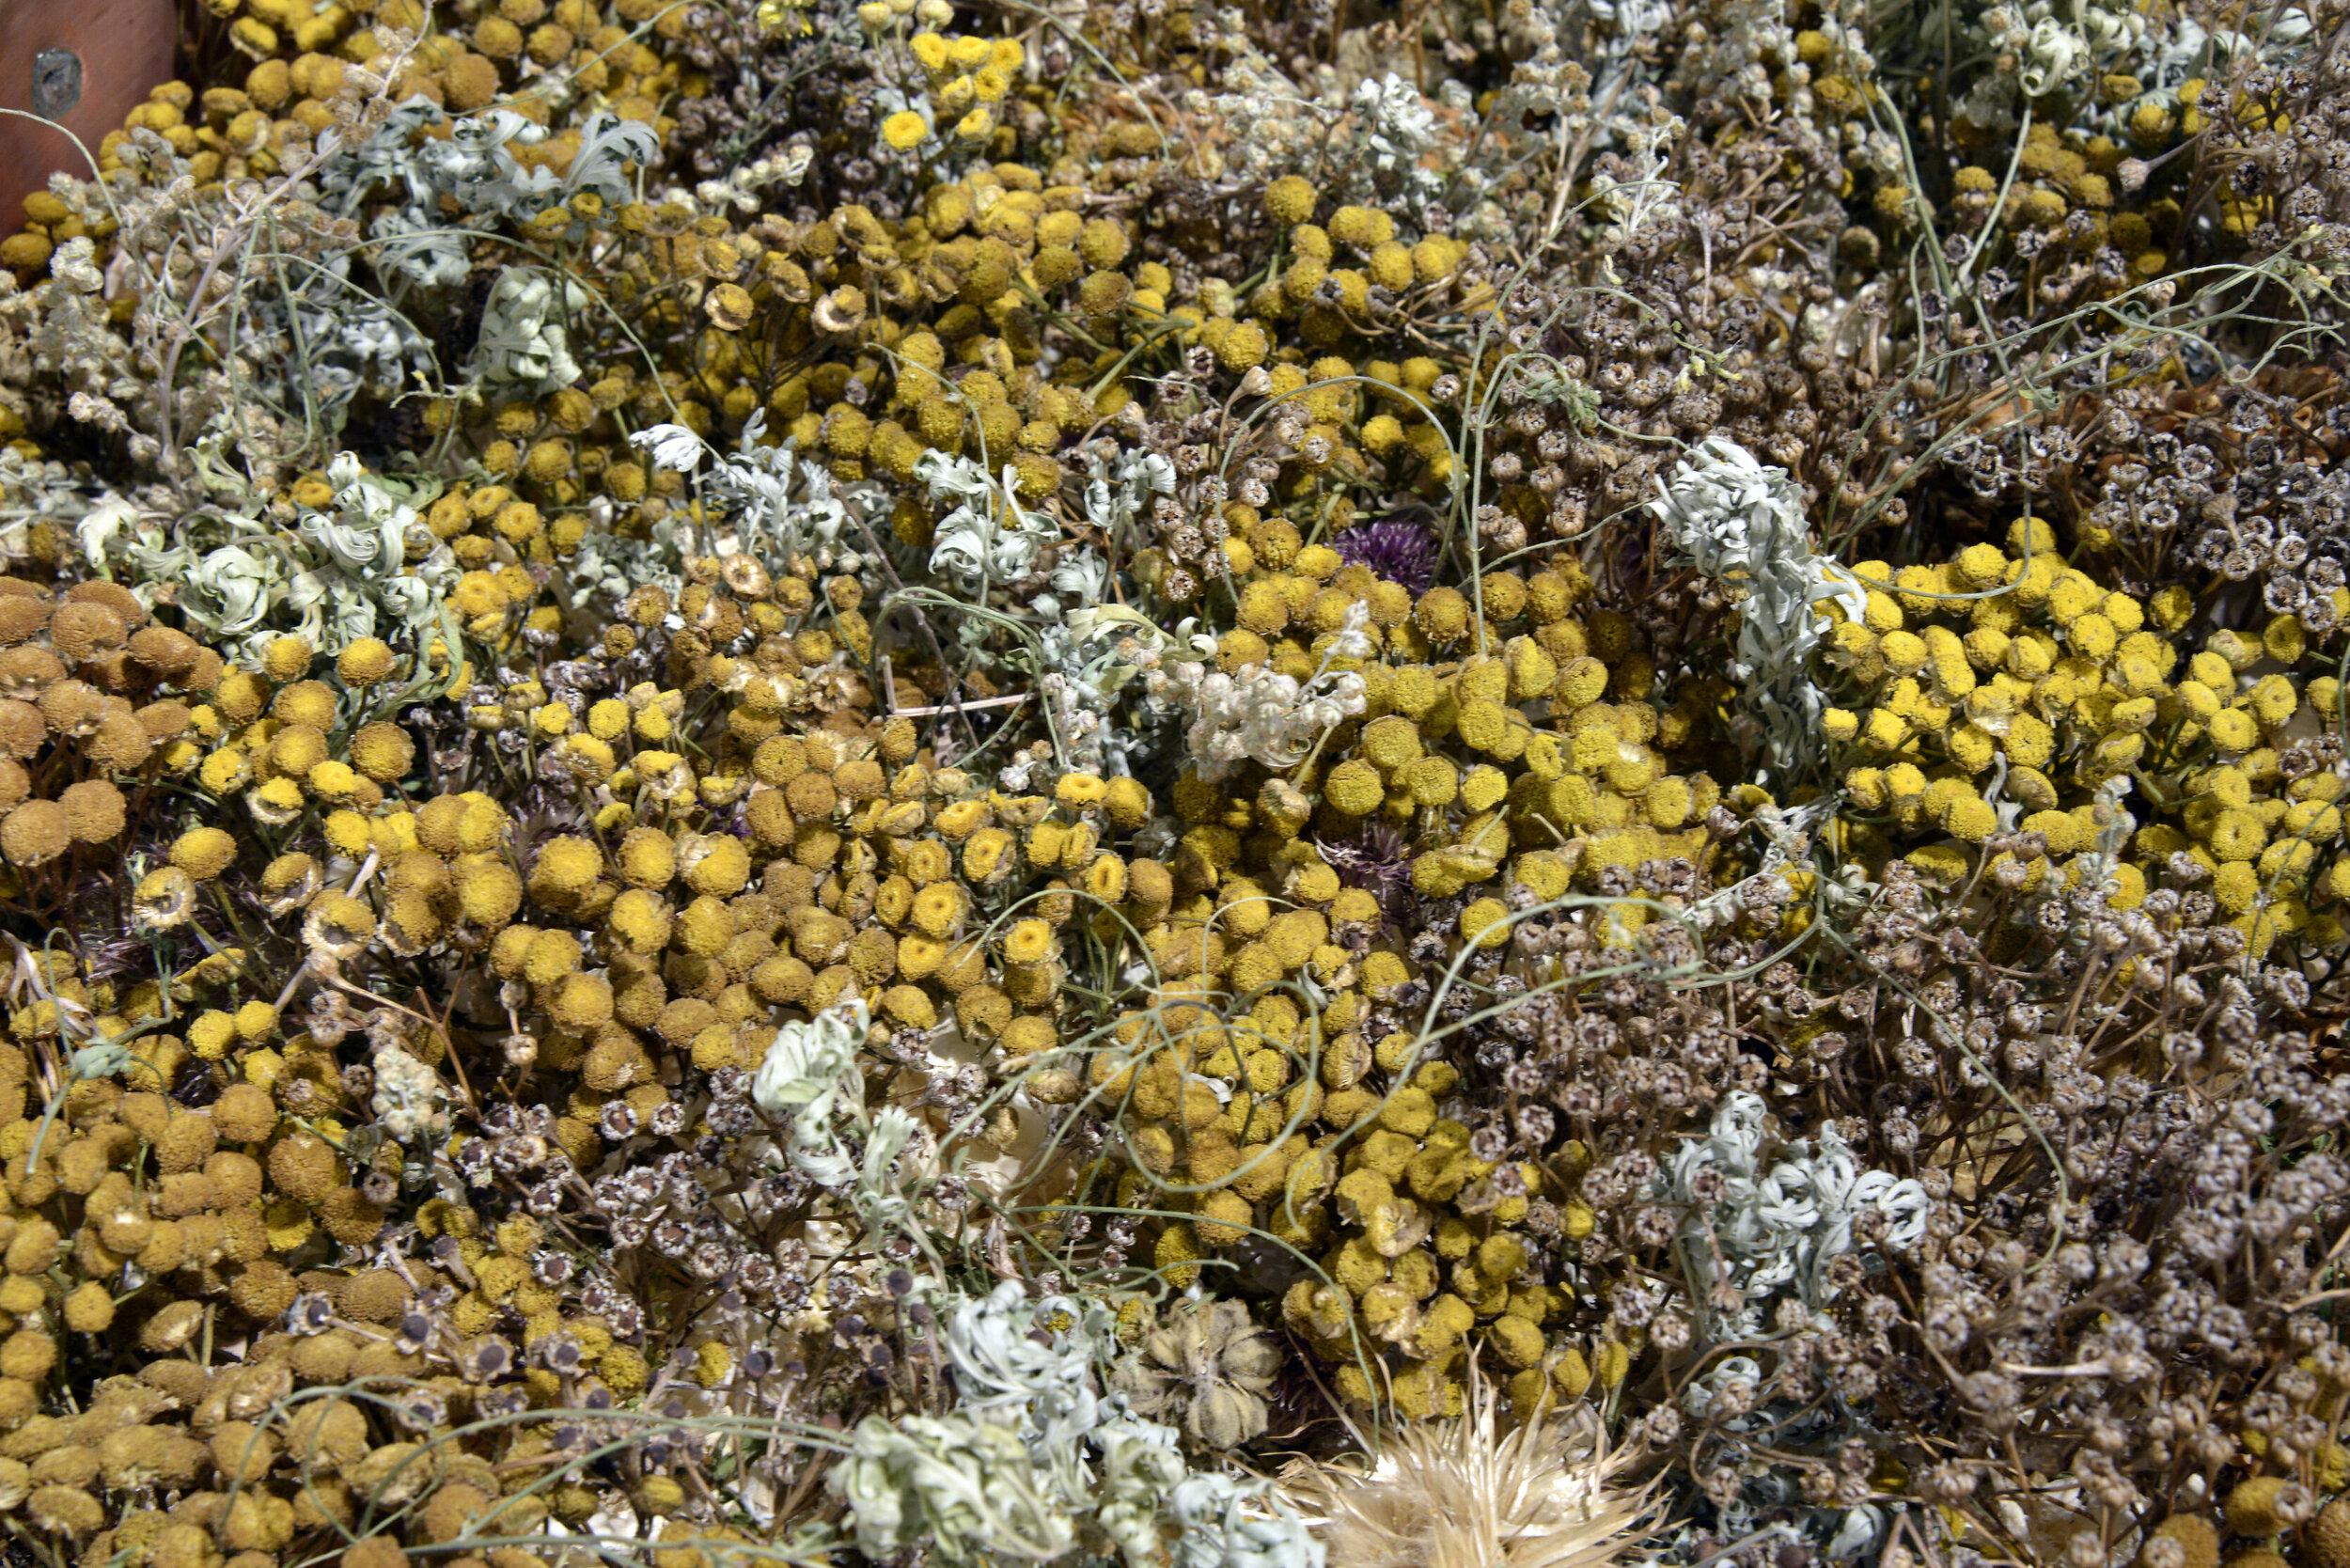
{"points": [[2007, 686], [945, 309], [1259, 1094], [880, 873], [88, 688], [867, 342], [216, 1206], [2059, 177], [306, 73], [969, 76], [652, 935]]}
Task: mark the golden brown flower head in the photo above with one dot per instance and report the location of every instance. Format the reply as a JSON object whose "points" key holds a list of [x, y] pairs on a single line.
{"points": [[310, 702], [93, 811], [286, 659], [382, 752], [204, 853], [365, 662], [36, 833], [82, 631]]}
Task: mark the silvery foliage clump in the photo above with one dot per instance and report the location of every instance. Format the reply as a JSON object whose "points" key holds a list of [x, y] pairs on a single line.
{"points": [[607, 567], [1741, 524], [525, 343], [1255, 713], [740, 190], [359, 340], [962, 1487], [418, 242], [1033, 1459], [1087, 641], [1234, 1524], [1779, 1220], [1395, 129], [813, 1076], [1079, 669], [344, 341], [1787, 834], [763, 501], [300, 334], [1119, 495], [1093, 656], [2045, 46], [366, 540], [364, 567], [989, 539], [1545, 381]]}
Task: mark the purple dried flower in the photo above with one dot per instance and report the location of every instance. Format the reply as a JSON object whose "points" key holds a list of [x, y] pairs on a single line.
{"points": [[1399, 550], [1374, 856]]}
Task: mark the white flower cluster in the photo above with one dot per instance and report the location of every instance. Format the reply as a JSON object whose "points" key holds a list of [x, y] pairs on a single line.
{"points": [[1738, 61], [75, 265], [1273, 126], [1742, 524], [1255, 714], [409, 1101], [1775, 1227], [1279, 128], [62, 327]]}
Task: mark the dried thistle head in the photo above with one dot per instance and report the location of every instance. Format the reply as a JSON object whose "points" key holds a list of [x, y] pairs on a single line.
{"points": [[1463, 1494], [1208, 1368]]}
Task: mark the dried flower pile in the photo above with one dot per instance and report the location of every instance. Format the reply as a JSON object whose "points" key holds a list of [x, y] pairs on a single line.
{"points": [[1280, 787]]}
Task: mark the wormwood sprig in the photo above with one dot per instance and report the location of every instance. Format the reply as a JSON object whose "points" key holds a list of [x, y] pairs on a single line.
{"points": [[1740, 523]]}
